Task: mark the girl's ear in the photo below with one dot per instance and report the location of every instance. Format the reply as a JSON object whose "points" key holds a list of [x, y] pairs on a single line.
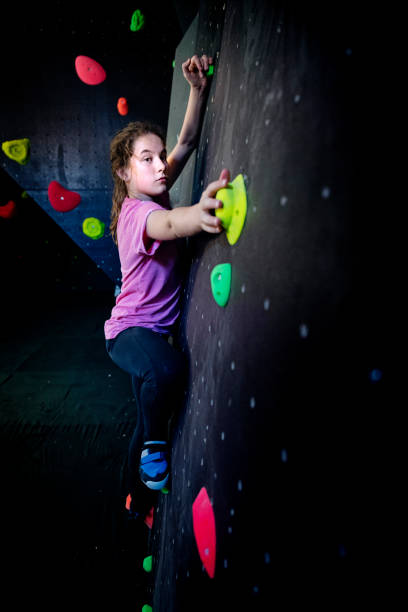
{"points": [[124, 174]]}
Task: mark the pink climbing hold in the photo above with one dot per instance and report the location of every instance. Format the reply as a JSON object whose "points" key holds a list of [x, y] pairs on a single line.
{"points": [[204, 531], [62, 199], [89, 70]]}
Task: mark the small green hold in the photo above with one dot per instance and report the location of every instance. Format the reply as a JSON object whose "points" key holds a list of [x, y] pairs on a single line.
{"points": [[17, 150], [148, 564], [137, 21], [174, 63], [210, 70], [93, 228], [147, 608], [221, 283], [164, 490]]}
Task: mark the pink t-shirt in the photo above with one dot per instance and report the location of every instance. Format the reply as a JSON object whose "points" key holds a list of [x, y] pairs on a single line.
{"points": [[151, 278]]}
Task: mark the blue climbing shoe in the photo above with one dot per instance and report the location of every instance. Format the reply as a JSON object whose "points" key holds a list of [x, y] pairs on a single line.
{"points": [[154, 465]]}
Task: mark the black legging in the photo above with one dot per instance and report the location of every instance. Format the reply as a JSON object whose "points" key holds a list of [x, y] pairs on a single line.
{"points": [[158, 378]]}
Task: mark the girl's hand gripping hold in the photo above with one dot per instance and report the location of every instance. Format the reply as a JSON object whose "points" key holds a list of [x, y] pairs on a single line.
{"points": [[209, 222], [194, 70]]}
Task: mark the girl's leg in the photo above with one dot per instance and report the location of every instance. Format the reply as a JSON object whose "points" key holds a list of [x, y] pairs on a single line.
{"points": [[158, 377]]}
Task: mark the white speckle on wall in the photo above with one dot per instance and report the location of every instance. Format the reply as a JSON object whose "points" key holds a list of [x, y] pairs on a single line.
{"points": [[267, 303], [284, 455], [252, 403], [283, 200], [303, 330], [239, 485], [296, 99], [222, 435], [232, 365], [325, 192]]}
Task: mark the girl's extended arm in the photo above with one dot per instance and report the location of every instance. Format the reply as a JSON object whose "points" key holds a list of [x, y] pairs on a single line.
{"points": [[188, 220], [194, 70]]}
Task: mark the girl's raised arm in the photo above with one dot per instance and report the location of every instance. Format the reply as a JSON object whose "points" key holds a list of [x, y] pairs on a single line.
{"points": [[194, 70]]}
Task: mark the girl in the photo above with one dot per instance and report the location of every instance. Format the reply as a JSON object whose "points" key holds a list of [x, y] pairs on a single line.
{"points": [[146, 230]]}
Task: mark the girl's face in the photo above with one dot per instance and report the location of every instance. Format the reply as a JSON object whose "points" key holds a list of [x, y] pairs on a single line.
{"points": [[147, 169]]}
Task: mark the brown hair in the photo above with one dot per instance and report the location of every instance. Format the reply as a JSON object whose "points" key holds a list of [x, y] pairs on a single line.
{"points": [[121, 150]]}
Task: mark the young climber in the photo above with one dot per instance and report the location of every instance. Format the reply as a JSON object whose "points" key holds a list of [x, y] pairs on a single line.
{"points": [[146, 230]]}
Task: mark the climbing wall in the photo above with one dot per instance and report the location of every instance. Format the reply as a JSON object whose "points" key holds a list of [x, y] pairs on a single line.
{"points": [[69, 122], [263, 479]]}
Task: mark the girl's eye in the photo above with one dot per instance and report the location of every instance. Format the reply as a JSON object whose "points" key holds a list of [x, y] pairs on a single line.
{"points": [[147, 159]]}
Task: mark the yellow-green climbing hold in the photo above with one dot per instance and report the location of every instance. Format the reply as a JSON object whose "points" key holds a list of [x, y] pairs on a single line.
{"points": [[234, 210], [93, 228], [18, 150]]}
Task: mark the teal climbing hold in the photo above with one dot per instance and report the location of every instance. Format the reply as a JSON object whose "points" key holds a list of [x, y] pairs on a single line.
{"points": [[221, 283], [148, 563]]}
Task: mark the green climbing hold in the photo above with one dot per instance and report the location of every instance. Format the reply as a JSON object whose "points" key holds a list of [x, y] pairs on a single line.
{"points": [[148, 563], [210, 70], [147, 608], [137, 21], [164, 490], [234, 209], [18, 150], [221, 283], [93, 228]]}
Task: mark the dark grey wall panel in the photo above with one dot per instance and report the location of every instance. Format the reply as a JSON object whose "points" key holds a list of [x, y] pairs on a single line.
{"points": [[268, 422]]}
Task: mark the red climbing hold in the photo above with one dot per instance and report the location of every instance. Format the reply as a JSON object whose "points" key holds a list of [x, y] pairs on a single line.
{"points": [[122, 106], [62, 199], [8, 210], [89, 71], [204, 530], [149, 518]]}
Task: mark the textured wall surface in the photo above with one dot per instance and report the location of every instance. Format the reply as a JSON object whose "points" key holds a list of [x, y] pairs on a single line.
{"points": [[267, 426], [70, 123]]}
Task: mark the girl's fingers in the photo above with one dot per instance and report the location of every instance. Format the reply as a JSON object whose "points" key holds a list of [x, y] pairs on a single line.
{"points": [[204, 61], [215, 186], [195, 61]]}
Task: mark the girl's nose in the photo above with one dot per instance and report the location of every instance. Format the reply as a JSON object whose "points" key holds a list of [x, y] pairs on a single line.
{"points": [[161, 165]]}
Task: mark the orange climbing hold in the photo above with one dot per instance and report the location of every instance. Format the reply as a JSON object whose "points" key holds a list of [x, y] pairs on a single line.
{"points": [[122, 106], [204, 531]]}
